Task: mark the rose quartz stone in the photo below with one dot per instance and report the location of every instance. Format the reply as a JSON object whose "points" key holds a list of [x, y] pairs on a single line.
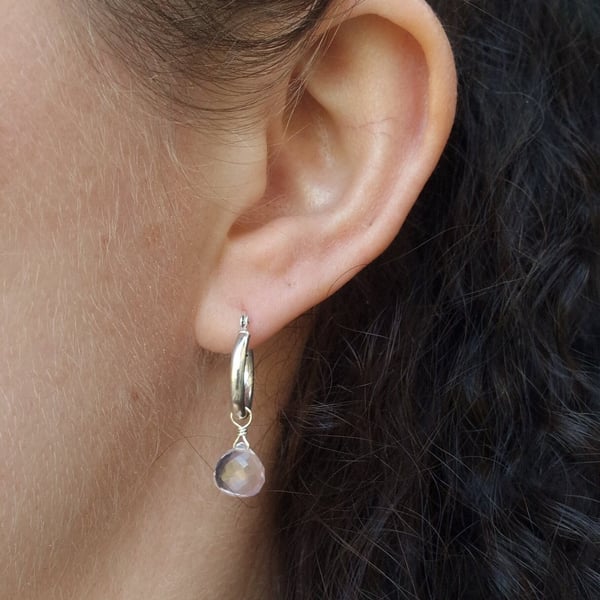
{"points": [[239, 472]]}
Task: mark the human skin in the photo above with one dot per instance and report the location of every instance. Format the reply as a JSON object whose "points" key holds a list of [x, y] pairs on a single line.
{"points": [[98, 367], [112, 221]]}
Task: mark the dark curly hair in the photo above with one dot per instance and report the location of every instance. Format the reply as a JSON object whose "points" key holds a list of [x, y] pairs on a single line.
{"points": [[443, 439]]}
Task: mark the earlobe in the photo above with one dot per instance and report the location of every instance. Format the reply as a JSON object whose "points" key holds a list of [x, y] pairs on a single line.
{"points": [[344, 169]]}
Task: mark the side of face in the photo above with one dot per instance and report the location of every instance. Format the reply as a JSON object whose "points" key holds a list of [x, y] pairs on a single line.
{"points": [[129, 240], [94, 244]]}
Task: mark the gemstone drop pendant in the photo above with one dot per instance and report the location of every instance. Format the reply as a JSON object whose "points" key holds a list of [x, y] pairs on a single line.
{"points": [[239, 472]]}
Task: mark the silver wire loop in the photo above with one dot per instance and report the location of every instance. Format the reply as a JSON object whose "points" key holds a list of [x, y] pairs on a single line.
{"points": [[242, 372], [242, 428]]}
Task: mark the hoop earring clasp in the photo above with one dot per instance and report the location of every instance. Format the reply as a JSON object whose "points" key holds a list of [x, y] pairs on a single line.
{"points": [[242, 372]]}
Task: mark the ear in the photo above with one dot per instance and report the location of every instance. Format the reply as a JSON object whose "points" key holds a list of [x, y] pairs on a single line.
{"points": [[342, 169]]}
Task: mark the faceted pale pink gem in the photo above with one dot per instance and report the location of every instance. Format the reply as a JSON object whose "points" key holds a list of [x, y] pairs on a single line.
{"points": [[239, 472]]}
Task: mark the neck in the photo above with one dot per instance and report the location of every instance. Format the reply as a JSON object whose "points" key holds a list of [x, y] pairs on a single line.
{"points": [[166, 531], [180, 537], [183, 539]]}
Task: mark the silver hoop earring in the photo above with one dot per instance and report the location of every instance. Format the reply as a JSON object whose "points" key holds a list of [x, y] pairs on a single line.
{"points": [[239, 471]]}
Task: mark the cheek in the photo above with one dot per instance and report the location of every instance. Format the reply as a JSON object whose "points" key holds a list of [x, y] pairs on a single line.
{"points": [[94, 310]]}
